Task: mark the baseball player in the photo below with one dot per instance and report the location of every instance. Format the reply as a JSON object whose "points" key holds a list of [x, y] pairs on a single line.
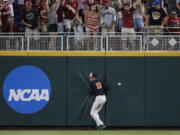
{"points": [[98, 90]]}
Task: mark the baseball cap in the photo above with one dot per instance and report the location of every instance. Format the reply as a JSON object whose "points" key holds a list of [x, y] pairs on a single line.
{"points": [[156, 2], [92, 75]]}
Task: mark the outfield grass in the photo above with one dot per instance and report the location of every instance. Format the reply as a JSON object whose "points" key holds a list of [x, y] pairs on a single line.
{"points": [[89, 132]]}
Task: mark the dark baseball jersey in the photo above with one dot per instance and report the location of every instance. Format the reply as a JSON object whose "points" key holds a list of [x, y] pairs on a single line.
{"points": [[97, 88]]}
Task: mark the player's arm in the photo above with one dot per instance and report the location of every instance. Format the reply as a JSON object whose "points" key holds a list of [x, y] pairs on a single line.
{"points": [[91, 89], [105, 87]]}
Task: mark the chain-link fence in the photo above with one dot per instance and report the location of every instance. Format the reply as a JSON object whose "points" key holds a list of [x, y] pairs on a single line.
{"points": [[85, 43], [66, 42], [46, 43], [124, 43], [162, 42], [12, 43]]}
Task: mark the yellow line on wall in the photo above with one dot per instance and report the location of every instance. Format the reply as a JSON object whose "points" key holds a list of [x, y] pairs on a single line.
{"points": [[163, 53], [91, 53], [86, 53], [125, 54]]}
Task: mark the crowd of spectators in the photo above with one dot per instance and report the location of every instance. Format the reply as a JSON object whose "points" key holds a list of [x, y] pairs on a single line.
{"points": [[90, 16]]}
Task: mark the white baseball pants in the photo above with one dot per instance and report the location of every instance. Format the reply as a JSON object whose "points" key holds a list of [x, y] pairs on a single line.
{"points": [[96, 107]]}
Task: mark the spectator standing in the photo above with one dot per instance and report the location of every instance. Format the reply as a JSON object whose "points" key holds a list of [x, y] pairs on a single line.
{"points": [[61, 15], [10, 4], [5, 14], [119, 21], [12, 28], [108, 19], [30, 20], [70, 14], [52, 25], [7, 22], [92, 24], [43, 16], [78, 33], [92, 20], [174, 29], [128, 25], [156, 18], [174, 23], [138, 17]]}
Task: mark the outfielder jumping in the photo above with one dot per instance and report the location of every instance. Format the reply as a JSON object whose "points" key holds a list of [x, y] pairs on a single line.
{"points": [[98, 90]]}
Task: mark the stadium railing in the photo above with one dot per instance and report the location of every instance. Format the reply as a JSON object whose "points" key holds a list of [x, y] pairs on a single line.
{"points": [[141, 41], [44, 42]]}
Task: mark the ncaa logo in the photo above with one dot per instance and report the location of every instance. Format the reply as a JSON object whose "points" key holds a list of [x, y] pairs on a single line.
{"points": [[27, 89]]}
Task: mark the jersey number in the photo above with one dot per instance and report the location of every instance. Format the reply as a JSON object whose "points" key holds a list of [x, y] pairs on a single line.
{"points": [[98, 85]]}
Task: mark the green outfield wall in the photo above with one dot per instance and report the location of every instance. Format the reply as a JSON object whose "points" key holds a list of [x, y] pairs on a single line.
{"points": [[144, 88]]}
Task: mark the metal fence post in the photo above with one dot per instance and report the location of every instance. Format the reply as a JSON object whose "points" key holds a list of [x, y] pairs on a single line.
{"points": [[28, 43], [22, 43]]}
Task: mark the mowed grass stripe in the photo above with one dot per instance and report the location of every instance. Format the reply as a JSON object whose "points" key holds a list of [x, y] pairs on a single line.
{"points": [[89, 132]]}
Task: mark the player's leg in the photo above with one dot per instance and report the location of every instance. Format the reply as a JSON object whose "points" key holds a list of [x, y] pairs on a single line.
{"points": [[102, 101], [94, 112]]}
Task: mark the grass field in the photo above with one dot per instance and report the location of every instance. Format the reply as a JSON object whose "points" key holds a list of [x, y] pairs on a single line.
{"points": [[89, 132]]}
